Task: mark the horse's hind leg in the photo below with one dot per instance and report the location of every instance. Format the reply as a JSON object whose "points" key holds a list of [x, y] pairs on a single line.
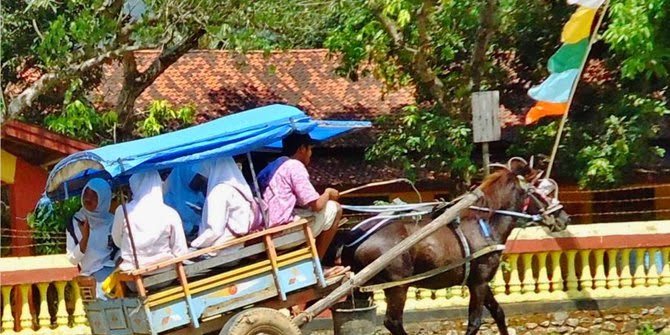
{"points": [[496, 311], [477, 296], [395, 304]]}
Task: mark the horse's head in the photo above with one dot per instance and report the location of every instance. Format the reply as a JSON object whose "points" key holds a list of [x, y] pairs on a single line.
{"points": [[543, 200], [539, 196]]}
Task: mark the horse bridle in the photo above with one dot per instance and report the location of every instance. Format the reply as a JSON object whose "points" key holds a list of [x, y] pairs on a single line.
{"points": [[546, 209]]}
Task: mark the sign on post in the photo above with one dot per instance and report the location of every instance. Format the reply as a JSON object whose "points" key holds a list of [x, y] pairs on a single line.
{"points": [[486, 121]]}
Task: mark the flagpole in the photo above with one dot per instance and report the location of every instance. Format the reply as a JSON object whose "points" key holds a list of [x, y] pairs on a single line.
{"points": [[592, 40]]}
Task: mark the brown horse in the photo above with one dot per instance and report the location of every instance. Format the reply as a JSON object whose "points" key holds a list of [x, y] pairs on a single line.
{"points": [[504, 190]]}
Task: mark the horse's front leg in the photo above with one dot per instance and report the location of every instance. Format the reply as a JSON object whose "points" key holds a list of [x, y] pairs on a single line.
{"points": [[395, 304], [477, 296], [496, 311]]}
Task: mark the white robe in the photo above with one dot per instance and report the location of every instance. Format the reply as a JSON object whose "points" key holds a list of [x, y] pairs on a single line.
{"points": [[156, 228], [228, 210]]}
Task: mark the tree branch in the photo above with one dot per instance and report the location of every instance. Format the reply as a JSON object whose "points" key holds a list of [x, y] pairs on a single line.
{"points": [[420, 69], [391, 29], [47, 81], [424, 71]]}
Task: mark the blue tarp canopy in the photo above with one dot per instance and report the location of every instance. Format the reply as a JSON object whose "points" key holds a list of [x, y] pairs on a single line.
{"points": [[252, 130]]}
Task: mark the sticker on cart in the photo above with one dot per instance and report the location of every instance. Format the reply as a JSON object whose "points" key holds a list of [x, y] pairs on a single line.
{"points": [[234, 289], [296, 276]]}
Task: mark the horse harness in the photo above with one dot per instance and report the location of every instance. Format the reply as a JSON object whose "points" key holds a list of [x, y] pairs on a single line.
{"points": [[465, 261]]}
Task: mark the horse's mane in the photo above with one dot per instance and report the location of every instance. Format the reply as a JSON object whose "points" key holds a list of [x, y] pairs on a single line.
{"points": [[496, 189]]}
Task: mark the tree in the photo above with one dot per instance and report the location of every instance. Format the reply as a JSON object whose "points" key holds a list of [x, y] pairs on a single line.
{"points": [[64, 44], [620, 104], [447, 50], [440, 49]]}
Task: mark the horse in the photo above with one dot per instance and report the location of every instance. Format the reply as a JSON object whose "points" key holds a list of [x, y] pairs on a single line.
{"points": [[507, 190]]}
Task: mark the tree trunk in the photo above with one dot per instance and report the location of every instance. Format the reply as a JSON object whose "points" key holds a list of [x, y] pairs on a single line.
{"points": [[488, 22], [135, 83]]}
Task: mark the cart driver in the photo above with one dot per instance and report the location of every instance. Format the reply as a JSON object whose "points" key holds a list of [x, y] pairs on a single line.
{"points": [[288, 193]]}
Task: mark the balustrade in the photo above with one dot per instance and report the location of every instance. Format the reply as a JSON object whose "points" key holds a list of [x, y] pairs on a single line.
{"points": [[585, 261], [611, 260], [26, 286]]}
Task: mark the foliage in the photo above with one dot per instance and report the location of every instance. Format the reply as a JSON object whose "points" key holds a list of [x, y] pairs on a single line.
{"points": [[48, 225], [422, 139], [81, 121], [426, 47], [160, 114], [430, 47], [270, 25], [638, 37], [602, 152], [367, 36], [72, 39]]}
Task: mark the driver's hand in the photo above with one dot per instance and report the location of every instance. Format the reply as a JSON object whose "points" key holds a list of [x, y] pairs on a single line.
{"points": [[333, 193]]}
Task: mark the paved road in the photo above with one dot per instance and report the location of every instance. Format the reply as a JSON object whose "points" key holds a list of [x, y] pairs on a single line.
{"points": [[649, 320]]}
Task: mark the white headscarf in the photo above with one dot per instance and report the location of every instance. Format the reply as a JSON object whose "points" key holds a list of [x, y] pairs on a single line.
{"points": [[98, 253], [228, 209], [224, 170], [156, 227], [100, 216]]}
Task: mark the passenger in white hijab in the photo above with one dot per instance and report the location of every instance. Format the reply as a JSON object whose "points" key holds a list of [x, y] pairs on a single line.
{"points": [[229, 206], [156, 227], [88, 237]]}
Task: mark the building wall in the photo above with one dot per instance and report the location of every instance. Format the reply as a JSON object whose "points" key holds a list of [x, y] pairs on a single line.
{"points": [[24, 192]]}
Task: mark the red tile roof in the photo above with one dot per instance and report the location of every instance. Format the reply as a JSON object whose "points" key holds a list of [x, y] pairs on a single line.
{"points": [[220, 82]]}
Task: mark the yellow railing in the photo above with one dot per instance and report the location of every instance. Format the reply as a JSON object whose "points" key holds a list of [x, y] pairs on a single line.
{"points": [[614, 260], [39, 296], [585, 261]]}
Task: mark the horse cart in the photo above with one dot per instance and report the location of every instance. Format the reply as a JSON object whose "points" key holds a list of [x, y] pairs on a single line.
{"points": [[202, 292]]}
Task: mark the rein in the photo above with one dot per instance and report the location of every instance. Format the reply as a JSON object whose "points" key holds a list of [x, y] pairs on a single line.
{"points": [[534, 218]]}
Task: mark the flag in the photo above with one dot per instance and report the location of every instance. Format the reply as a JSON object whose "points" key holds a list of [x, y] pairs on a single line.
{"points": [[556, 88], [543, 108], [569, 56], [595, 4], [579, 25], [565, 65]]}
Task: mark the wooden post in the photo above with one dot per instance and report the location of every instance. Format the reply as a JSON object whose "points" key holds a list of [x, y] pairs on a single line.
{"points": [[485, 121], [380, 263]]}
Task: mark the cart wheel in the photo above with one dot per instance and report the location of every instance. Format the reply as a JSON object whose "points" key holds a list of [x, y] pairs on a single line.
{"points": [[260, 320]]}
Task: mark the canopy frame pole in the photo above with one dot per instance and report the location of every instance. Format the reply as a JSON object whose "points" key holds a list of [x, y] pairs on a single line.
{"points": [[125, 216], [67, 195], [564, 119], [257, 190]]}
